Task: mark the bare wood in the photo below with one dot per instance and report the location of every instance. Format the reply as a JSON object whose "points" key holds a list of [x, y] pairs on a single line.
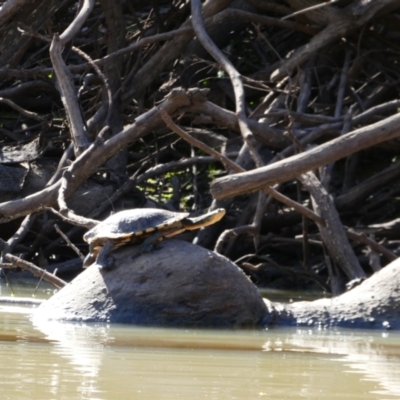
{"points": [[235, 77], [294, 166], [78, 22], [343, 84], [24, 112], [24, 228], [269, 6], [353, 196], [36, 271], [68, 242], [89, 161], [169, 52], [102, 77], [333, 234], [321, 13], [293, 272], [9, 8], [65, 82], [34, 72], [361, 238], [153, 172], [65, 212], [233, 233], [240, 103], [69, 97], [74, 219], [371, 112], [295, 205], [264, 20], [263, 132], [229, 164], [355, 16], [199, 144]]}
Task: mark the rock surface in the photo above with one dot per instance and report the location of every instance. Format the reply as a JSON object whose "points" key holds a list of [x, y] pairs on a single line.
{"points": [[374, 304], [184, 285], [179, 285]]}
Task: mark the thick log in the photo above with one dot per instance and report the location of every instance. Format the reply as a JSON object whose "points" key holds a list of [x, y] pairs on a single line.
{"points": [[292, 167]]}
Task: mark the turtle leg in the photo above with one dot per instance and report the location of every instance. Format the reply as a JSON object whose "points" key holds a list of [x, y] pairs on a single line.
{"points": [[89, 260], [150, 243], [91, 256], [104, 259]]}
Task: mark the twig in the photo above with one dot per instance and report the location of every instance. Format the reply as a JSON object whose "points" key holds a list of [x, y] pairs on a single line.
{"points": [[77, 23], [102, 77], [340, 26], [232, 233], [65, 81], [36, 271], [69, 97], [77, 221], [26, 113], [34, 72], [152, 68], [265, 20], [294, 166], [9, 8], [339, 248], [308, 9], [21, 232], [67, 213], [88, 162], [68, 242], [380, 108], [234, 76], [294, 272], [342, 85], [264, 133], [258, 216], [230, 165], [361, 238]]}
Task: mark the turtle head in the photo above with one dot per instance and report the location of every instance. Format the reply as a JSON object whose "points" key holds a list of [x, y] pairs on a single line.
{"points": [[204, 220]]}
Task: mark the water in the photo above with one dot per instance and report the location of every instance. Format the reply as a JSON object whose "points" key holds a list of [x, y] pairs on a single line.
{"points": [[72, 361]]}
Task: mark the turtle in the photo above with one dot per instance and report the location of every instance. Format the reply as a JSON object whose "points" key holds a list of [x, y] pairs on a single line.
{"points": [[141, 225]]}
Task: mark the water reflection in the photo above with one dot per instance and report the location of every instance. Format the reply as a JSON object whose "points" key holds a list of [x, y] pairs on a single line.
{"points": [[233, 364], [66, 361], [375, 355]]}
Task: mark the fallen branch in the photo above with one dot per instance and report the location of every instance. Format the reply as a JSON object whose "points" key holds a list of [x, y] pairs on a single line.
{"points": [[36, 271], [230, 165], [65, 81], [26, 113], [96, 155], [292, 167], [333, 234]]}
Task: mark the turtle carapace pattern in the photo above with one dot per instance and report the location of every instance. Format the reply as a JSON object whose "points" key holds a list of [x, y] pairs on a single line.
{"points": [[142, 225]]}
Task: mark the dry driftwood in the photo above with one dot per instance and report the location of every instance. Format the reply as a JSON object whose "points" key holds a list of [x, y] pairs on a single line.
{"points": [[294, 166]]}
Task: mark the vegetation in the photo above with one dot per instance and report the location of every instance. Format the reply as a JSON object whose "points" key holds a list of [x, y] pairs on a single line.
{"points": [[288, 107]]}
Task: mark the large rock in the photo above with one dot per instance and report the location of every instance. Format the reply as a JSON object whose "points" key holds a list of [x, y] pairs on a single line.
{"points": [[180, 285], [184, 285], [374, 304]]}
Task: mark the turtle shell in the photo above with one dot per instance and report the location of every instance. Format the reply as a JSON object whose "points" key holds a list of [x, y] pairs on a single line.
{"points": [[137, 223]]}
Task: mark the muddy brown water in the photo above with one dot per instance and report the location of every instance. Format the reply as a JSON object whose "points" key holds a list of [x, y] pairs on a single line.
{"points": [[48, 360]]}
